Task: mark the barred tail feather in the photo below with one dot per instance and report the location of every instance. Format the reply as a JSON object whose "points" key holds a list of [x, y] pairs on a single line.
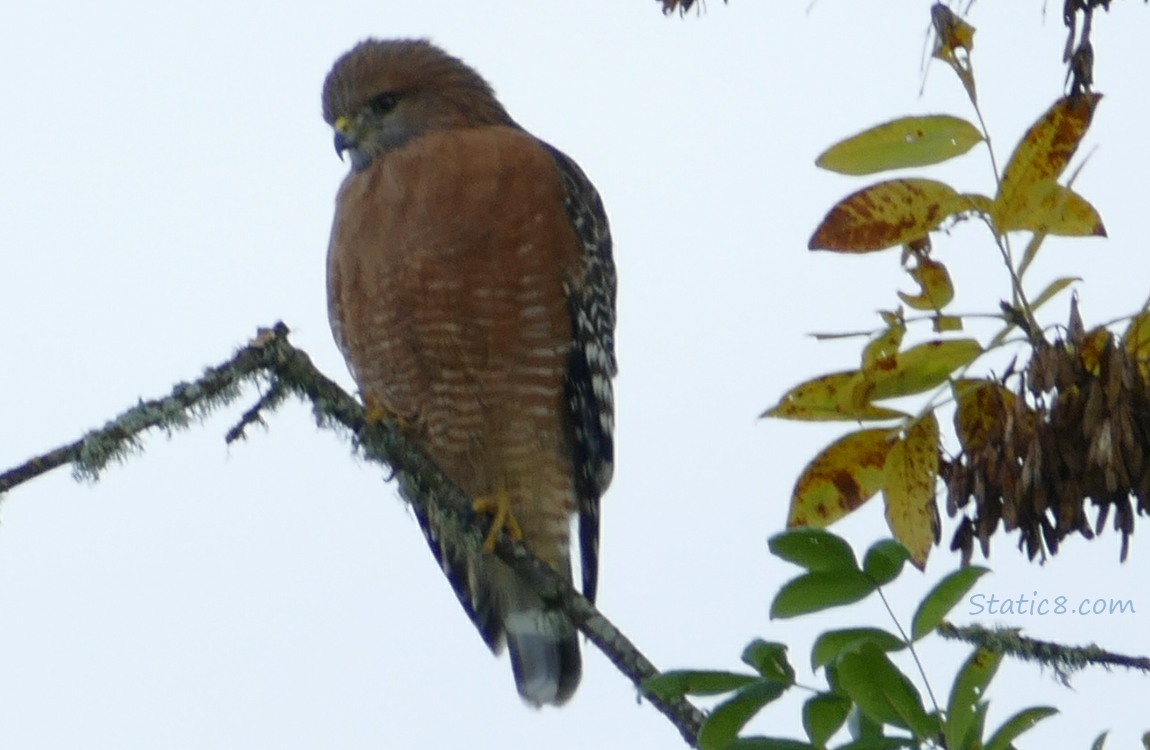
{"points": [[545, 658]]}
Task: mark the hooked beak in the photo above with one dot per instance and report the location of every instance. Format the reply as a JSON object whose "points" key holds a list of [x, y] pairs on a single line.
{"points": [[341, 145], [344, 139]]}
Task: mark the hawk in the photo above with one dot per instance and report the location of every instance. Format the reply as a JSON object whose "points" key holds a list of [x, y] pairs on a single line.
{"points": [[471, 289]]}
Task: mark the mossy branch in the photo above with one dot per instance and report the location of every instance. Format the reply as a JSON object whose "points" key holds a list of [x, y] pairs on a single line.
{"points": [[279, 369], [1064, 660]]}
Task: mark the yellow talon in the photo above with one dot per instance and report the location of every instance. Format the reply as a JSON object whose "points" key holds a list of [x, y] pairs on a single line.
{"points": [[498, 506], [377, 413]]}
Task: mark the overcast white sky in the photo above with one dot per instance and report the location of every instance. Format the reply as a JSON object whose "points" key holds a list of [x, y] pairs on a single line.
{"points": [[167, 187]]}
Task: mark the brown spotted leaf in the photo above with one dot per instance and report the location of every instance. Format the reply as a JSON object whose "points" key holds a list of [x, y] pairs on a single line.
{"points": [[896, 212], [908, 489], [885, 346], [921, 368], [983, 408], [901, 143], [842, 477], [838, 396], [1042, 155], [935, 288], [1050, 208]]}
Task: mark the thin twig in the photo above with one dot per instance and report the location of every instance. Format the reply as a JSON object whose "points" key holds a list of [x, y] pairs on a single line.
{"points": [[267, 402], [270, 361]]}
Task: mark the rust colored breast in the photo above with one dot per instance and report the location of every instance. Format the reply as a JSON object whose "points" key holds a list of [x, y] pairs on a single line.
{"points": [[447, 270]]}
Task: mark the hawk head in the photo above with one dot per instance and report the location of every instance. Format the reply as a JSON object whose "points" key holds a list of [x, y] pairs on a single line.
{"points": [[383, 93]]}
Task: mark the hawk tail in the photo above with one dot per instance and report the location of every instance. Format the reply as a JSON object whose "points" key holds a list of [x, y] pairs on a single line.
{"points": [[544, 648]]}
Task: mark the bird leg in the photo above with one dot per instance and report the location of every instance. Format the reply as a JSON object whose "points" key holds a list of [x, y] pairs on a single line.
{"points": [[498, 505]]}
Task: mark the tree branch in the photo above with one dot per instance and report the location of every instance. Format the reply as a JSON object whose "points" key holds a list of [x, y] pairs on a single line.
{"points": [[1062, 659], [280, 369]]}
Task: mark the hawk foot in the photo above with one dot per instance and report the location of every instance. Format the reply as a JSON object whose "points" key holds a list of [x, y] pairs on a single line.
{"points": [[377, 413], [498, 505]]}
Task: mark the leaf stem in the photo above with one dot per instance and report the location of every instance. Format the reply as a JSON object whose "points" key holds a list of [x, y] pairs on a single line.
{"points": [[910, 647]]}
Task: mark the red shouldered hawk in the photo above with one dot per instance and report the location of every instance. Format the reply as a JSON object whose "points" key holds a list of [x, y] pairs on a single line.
{"points": [[472, 291]]}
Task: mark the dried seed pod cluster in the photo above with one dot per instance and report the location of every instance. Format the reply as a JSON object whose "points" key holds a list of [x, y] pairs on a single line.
{"points": [[1037, 445]]}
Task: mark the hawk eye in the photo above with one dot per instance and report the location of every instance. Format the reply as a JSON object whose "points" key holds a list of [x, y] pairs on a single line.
{"points": [[383, 103]]}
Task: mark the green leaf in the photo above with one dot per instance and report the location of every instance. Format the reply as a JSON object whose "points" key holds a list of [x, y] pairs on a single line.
{"points": [[862, 727], [884, 561], [814, 592], [880, 743], [834, 642], [883, 692], [769, 659], [942, 599], [769, 743], [1016, 725], [813, 549], [922, 367], [973, 737], [906, 142], [968, 692], [729, 717], [823, 715], [679, 682], [831, 672]]}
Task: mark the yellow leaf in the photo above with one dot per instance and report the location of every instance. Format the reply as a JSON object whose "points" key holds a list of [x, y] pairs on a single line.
{"points": [[1136, 341], [891, 317], [886, 214], [955, 42], [842, 477], [838, 396], [921, 368], [906, 142], [885, 346], [1031, 252], [954, 34], [1052, 289], [909, 476], [1050, 208], [944, 323], [1093, 348], [1042, 154], [976, 202], [982, 412], [935, 288]]}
